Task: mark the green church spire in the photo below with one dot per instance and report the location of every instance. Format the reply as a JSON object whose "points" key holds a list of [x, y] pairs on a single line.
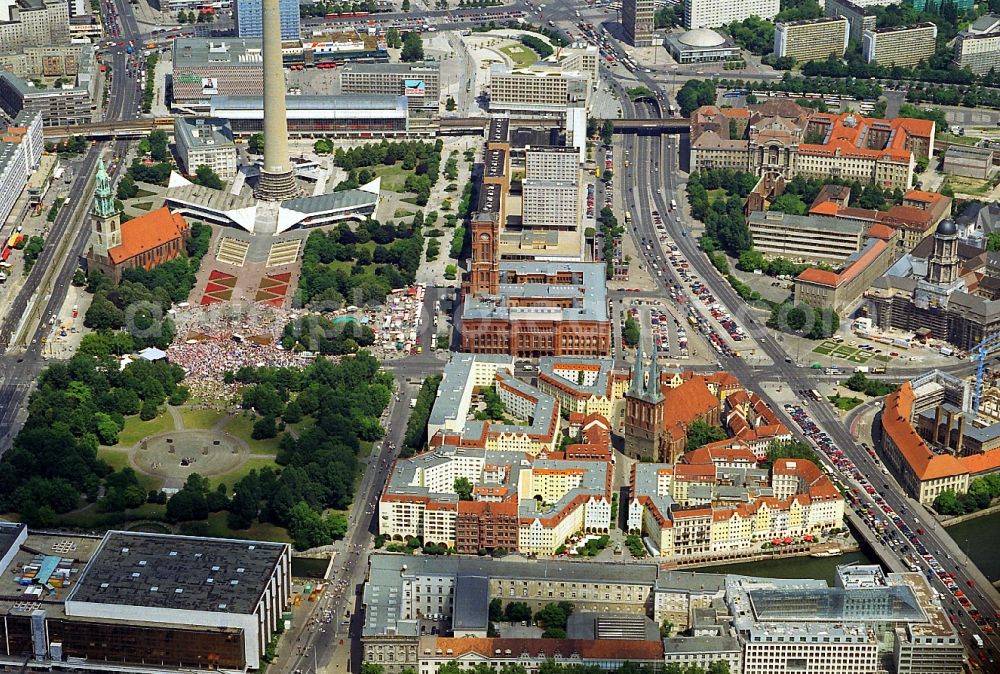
{"points": [[104, 200]]}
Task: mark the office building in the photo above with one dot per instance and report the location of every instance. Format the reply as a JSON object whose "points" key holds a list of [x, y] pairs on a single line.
{"points": [[422, 611], [717, 13], [57, 107], [701, 45], [33, 23], [806, 237], [540, 309], [551, 189], [800, 624], [933, 441], [971, 162], [857, 14], [333, 116], [539, 90], [248, 18], [812, 39], [770, 139], [205, 142], [419, 82], [67, 61], [840, 289], [143, 602], [637, 19], [899, 45], [207, 67]]}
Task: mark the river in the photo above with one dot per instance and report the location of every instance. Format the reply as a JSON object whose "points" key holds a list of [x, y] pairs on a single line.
{"points": [[977, 537], [822, 568]]}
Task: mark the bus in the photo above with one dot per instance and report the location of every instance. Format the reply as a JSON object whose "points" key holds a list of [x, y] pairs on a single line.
{"points": [[814, 394], [977, 640], [628, 217]]}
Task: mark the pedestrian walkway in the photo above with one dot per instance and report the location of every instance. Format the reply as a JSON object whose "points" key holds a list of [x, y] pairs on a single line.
{"points": [[232, 251]]}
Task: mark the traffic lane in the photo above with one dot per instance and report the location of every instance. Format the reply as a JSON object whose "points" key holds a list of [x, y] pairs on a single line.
{"points": [[824, 417]]}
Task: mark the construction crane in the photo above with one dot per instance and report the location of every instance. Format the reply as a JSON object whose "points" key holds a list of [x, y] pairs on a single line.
{"points": [[981, 352]]}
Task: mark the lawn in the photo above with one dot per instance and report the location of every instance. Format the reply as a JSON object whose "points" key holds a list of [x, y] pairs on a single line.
{"points": [[959, 140], [964, 185], [218, 526], [201, 418], [845, 403], [137, 429], [234, 476], [402, 213], [144, 193], [716, 194], [393, 177], [242, 425], [520, 55], [118, 459], [143, 205]]}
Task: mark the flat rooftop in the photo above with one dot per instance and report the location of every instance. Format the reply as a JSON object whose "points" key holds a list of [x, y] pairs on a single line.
{"points": [[178, 572], [15, 584]]}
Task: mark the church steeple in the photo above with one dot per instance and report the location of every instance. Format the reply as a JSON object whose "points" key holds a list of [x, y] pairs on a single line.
{"points": [[106, 230], [638, 386], [653, 392], [104, 200]]}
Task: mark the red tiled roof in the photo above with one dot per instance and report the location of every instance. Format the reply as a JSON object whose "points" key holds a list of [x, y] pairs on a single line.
{"points": [[603, 649], [147, 232], [880, 231], [924, 463]]}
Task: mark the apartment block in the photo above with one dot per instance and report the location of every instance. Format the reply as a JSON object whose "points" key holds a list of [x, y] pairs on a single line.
{"points": [[57, 107], [637, 19], [34, 23], [551, 189], [419, 82], [249, 20], [900, 45], [857, 14], [716, 13], [812, 39], [585, 386], [680, 507]]}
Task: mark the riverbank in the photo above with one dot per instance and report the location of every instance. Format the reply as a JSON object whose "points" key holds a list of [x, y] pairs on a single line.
{"points": [[845, 546], [824, 568], [958, 519]]}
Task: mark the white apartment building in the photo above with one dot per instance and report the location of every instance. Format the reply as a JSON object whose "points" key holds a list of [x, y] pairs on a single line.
{"points": [[978, 52], [715, 13], [551, 188], [205, 142], [34, 23], [20, 151]]}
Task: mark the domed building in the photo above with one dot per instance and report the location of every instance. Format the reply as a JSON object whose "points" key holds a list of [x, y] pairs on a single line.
{"points": [[701, 45]]}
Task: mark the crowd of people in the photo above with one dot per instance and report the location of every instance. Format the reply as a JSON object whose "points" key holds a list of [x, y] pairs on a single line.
{"points": [[219, 338]]}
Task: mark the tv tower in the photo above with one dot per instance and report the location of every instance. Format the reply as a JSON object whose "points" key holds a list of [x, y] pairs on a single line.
{"points": [[277, 178]]}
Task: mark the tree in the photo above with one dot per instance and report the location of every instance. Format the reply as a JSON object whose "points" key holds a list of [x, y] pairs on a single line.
{"points": [[517, 611], [790, 203], [405, 6], [158, 146], [204, 175], [496, 610], [392, 38], [555, 615], [463, 488], [256, 143], [413, 48], [631, 333], [700, 433], [607, 131], [323, 146], [450, 104]]}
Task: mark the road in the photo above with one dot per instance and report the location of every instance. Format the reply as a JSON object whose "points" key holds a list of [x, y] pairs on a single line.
{"points": [[649, 150], [20, 368]]}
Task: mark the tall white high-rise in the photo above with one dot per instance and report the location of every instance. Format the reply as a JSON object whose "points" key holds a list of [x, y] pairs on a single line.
{"points": [[715, 13]]}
